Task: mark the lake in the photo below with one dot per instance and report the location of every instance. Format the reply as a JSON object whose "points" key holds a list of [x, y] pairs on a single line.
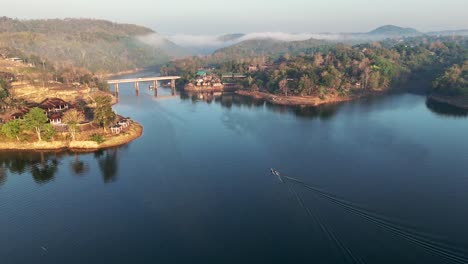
{"points": [[380, 180]]}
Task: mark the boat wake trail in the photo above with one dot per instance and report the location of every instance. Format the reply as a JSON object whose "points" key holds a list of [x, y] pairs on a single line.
{"points": [[332, 236], [449, 252]]}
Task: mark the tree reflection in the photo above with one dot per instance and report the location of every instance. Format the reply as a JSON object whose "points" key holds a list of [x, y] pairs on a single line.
{"points": [[3, 175], [44, 171], [78, 167], [443, 109], [108, 164]]}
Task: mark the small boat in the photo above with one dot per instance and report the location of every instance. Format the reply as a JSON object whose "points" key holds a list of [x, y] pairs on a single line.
{"points": [[276, 173]]}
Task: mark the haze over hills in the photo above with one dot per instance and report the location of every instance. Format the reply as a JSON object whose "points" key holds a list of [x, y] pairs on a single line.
{"points": [[107, 46], [89, 43], [206, 44]]}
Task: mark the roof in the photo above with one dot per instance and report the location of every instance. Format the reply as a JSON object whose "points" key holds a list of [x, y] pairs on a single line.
{"points": [[201, 73], [52, 103]]}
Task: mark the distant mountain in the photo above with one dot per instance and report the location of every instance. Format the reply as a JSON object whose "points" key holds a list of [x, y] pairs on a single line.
{"points": [[391, 30], [268, 47], [94, 44]]}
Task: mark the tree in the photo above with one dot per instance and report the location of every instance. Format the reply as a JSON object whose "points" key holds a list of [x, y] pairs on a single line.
{"points": [[103, 113], [254, 88], [49, 131], [36, 121], [12, 129], [72, 118], [374, 80], [305, 85], [283, 85]]}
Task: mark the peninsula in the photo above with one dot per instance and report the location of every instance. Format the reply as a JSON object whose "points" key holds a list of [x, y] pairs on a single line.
{"points": [[48, 108]]}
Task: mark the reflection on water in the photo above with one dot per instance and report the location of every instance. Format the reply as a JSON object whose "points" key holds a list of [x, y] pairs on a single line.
{"points": [[78, 167], [381, 183], [108, 164], [43, 166], [229, 99], [443, 109]]}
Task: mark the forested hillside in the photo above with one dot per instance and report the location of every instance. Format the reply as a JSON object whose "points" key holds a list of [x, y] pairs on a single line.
{"points": [[92, 44], [338, 70]]}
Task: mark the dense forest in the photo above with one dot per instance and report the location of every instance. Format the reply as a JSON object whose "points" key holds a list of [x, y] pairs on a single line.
{"points": [[88, 43], [453, 82], [334, 69]]}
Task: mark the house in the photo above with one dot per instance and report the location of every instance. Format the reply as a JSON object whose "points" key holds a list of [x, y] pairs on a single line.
{"points": [[55, 118], [54, 105], [16, 59], [19, 114], [201, 74], [116, 129], [253, 68], [124, 123]]}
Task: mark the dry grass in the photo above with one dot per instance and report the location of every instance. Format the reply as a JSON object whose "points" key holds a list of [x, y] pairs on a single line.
{"points": [[133, 132]]}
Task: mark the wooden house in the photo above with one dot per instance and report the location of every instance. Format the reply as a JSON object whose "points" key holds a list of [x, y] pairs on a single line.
{"points": [[54, 105]]}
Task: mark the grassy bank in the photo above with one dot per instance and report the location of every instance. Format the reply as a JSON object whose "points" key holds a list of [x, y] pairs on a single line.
{"points": [[110, 140]]}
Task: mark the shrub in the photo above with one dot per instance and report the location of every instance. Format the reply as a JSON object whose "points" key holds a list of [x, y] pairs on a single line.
{"points": [[97, 138]]}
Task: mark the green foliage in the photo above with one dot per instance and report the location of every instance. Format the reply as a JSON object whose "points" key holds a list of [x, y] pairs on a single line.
{"points": [[454, 81], [49, 132], [328, 69], [103, 113], [12, 129], [97, 138], [72, 118], [36, 120]]}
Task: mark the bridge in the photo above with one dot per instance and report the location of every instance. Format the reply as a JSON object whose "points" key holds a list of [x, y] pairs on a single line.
{"points": [[137, 81]]}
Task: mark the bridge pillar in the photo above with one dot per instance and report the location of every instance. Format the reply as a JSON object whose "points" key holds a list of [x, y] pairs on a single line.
{"points": [[137, 88], [173, 86], [116, 89], [155, 84], [155, 93]]}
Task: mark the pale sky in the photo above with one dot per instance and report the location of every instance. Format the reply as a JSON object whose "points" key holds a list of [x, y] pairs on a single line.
{"points": [[245, 16]]}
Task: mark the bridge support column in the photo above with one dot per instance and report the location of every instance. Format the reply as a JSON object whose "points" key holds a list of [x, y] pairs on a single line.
{"points": [[173, 86], [137, 88], [116, 89], [155, 92]]}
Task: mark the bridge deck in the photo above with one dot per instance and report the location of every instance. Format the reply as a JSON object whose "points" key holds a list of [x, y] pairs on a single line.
{"points": [[146, 79]]}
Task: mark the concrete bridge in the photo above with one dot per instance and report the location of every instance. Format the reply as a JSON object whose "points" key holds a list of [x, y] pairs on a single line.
{"points": [[137, 81]]}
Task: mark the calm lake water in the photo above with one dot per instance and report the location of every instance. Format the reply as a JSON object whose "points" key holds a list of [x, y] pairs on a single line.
{"points": [[373, 181]]}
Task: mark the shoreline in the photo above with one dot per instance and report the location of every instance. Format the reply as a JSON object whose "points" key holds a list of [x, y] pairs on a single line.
{"points": [[117, 74], [301, 100], [208, 89], [460, 102], [135, 131]]}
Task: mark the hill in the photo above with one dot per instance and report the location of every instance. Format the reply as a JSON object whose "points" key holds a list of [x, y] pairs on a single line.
{"points": [[268, 47], [93, 44], [275, 47], [391, 30]]}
